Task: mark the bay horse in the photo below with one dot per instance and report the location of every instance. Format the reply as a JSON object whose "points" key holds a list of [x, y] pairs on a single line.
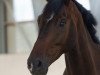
{"points": [[66, 27]]}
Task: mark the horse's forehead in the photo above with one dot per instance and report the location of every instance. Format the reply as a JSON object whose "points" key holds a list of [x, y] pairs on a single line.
{"points": [[52, 15]]}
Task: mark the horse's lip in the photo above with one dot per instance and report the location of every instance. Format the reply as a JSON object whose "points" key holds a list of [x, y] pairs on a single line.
{"points": [[39, 73], [42, 72]]}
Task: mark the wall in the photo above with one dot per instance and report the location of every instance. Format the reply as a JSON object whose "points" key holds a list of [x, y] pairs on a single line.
{"points": [[95, 9], [27, 32], [2, 38], [21, 36], [38, 6]]}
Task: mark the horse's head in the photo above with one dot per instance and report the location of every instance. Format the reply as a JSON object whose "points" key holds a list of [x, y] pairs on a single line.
{"points": [[53, 31]]}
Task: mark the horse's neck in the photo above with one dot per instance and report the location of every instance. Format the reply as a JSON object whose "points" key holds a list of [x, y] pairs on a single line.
{"points": [[80, 59], [84, 40], [78, 32]]}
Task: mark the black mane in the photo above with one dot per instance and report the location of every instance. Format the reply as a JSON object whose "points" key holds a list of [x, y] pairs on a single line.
{"points": [[54, 6], [89, 21]]}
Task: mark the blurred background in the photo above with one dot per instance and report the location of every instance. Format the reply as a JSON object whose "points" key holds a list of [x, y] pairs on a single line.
{"points": [[19, 31]]}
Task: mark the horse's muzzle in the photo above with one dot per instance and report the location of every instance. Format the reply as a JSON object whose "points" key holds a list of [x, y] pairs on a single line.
{"points": [[37, 67]]}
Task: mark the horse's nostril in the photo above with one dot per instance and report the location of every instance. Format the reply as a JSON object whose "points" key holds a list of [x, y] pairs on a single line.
{"points": [[38, 64]]}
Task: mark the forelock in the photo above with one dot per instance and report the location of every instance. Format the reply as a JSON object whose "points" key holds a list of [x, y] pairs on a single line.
{"points": [[53, 6]]}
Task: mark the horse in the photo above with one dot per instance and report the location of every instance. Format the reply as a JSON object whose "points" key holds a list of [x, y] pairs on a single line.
{"points": [[66, 27]]}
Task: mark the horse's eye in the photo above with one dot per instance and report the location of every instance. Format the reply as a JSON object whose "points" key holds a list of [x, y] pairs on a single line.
{"points": [[63, 22]]}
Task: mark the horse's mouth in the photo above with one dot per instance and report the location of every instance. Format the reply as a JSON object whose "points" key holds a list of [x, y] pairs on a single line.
{"points": [[39, 72]]}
